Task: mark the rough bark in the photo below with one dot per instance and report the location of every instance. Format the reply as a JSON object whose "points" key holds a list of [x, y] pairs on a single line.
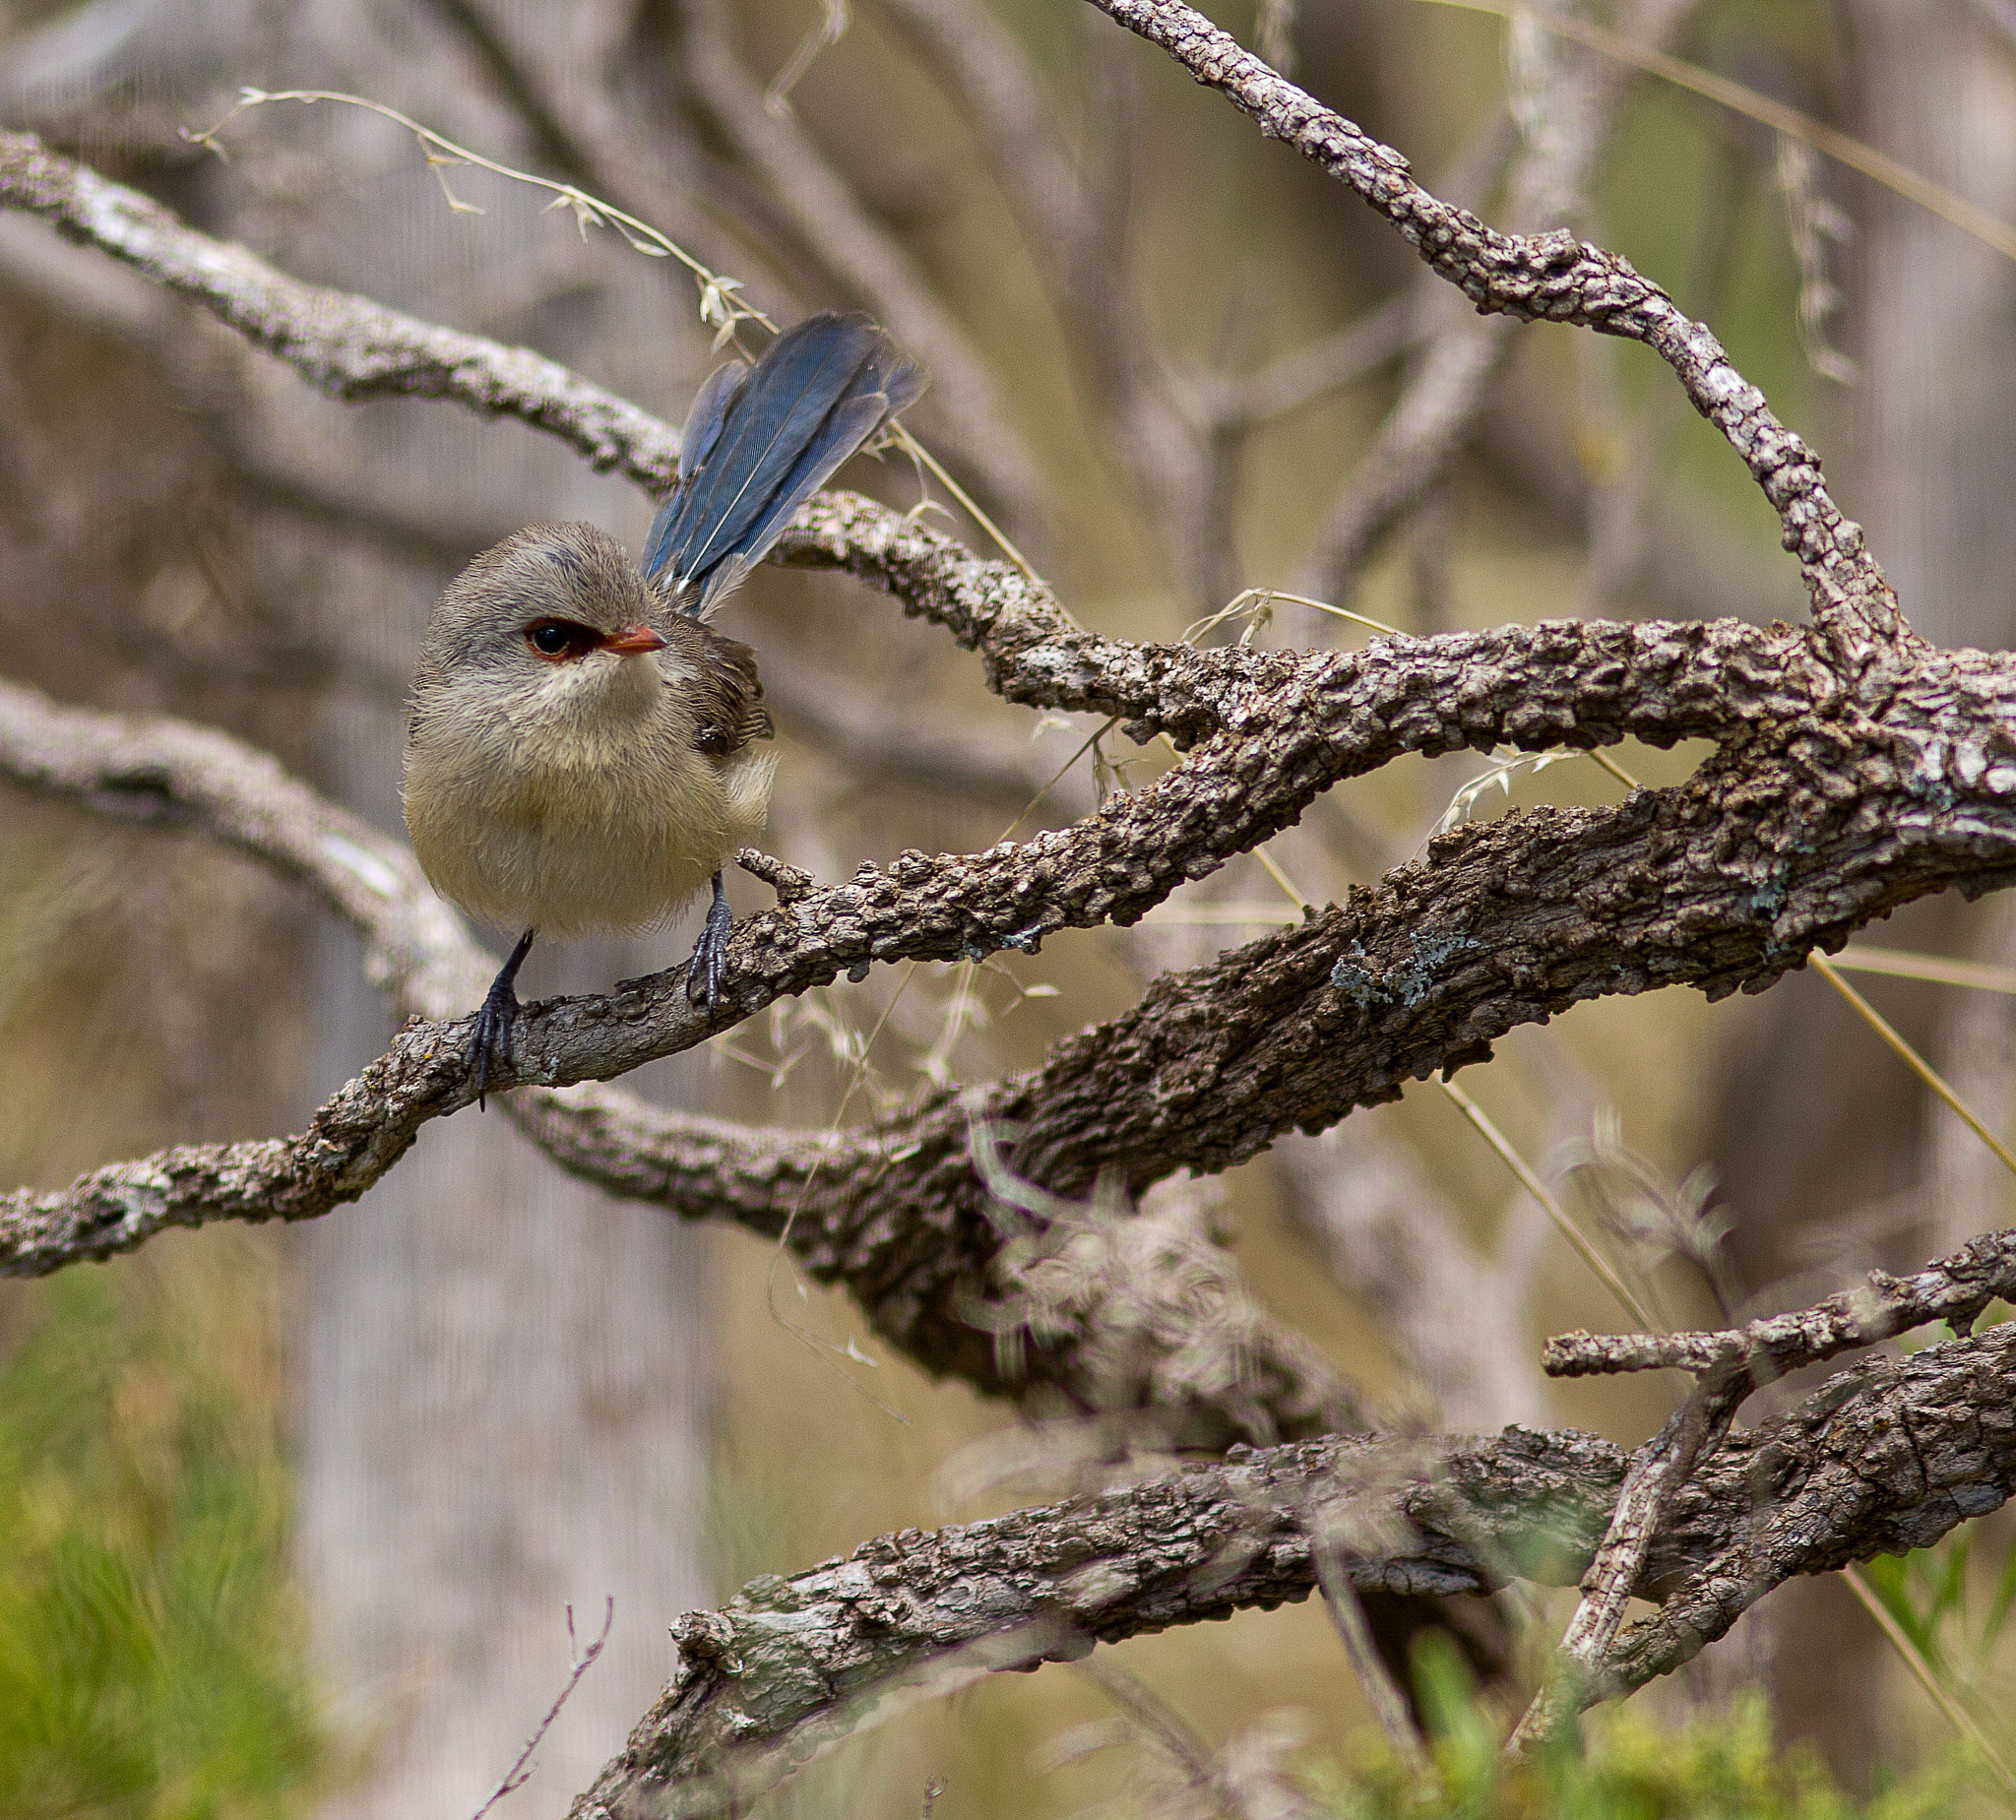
{"points": [[1889, 1455]]}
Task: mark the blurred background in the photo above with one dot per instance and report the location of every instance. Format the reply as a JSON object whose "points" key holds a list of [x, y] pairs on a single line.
{"points": [[294, 1519]]}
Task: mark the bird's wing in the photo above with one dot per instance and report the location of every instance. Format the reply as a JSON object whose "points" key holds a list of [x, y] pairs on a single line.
{"points": [[726, 696]]}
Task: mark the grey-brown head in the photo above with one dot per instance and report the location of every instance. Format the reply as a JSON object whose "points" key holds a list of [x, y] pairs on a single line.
{"points": [[550, 597]]}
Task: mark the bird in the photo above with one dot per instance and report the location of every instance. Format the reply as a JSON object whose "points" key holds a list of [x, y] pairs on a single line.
{"points": [[580, 749]]}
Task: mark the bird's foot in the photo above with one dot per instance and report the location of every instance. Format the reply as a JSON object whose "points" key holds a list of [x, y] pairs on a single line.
{"points": [[711, 953], [499, 1013], [493, 1033]]}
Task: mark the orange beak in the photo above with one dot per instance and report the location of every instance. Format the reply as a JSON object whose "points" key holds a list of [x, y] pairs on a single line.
{"points": [[634, 641]]}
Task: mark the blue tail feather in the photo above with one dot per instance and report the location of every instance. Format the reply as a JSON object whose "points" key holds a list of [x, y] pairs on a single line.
{"points": [[718, 391], [760, 442]]}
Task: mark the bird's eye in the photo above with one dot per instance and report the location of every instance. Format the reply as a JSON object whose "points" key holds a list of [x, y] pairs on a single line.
{"points": [[557, 639]]}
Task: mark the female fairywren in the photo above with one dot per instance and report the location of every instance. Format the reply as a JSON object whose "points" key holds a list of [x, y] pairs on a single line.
{"points": [[579, 749]]}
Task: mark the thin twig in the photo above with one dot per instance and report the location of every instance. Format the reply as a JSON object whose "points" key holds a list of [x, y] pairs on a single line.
{"points": [[1381, 1693], [520, 1772], [718, 306], [1658, 1469], [1539, 1191], [1910, 1058], [1297, 380], [1954, 1288]]}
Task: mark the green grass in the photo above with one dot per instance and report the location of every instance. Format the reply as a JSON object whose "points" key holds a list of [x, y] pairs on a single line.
{"points": [[1719, 1764], [150, 1653]]}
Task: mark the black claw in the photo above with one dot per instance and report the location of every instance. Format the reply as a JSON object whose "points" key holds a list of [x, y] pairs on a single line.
{"points": [[494, 1020], [711, 953]]}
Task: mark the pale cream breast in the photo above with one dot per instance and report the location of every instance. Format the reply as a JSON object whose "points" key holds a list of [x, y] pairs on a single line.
{"points": [[585, 810]]}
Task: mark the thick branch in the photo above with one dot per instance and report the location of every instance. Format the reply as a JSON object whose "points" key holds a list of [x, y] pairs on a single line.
{"points": [[1835, 816], [1890, 1455], [166, 774], [1723, 884], [1886, 1457], [787, 1663], [1230, 794], [1034, 653]]}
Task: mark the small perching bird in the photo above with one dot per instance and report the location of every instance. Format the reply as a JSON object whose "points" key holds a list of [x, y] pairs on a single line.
{"points": [[579, 751]]}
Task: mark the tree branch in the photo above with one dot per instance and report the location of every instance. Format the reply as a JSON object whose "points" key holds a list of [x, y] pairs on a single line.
{"points": [[1955, 1288], [343, 345], [1856, 769], [171, 776], [1886, 1456], [1327, 364], [573, 106], [1555, 277], [1657, 1471], [790, 1662], [1725, 882]]}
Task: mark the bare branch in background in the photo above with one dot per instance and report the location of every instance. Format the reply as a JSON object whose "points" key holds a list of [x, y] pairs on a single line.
{"points": [[1566, 123], [342, 345], [520, 1772], [1392, 1241], [863, 258], [1075, 223], [566, 90], [1295, 381], [1375, 1680], [878, 742], [2001, 16], [1555, 277]]}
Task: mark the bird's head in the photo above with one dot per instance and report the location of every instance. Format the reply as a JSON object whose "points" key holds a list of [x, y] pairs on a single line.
{"points": [[551, 602]]}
